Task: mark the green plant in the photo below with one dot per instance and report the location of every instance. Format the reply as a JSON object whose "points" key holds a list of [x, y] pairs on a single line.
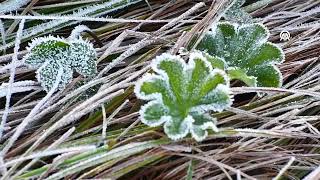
{"points": [[243, 51], [180, 95], [49, 54], [237, 14]]}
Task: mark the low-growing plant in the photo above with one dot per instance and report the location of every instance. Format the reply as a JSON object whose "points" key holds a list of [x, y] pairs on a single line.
{"points": [[236, 14], [244, 52], [181, 94], [49, 54]]}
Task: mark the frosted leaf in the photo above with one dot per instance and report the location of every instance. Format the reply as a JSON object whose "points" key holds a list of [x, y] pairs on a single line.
{"points": [[45, 49], [51, 53], [179, 93], [240, 74], [244, 50], [201, 124], [83, 58], [47, 75], [237, 14]]}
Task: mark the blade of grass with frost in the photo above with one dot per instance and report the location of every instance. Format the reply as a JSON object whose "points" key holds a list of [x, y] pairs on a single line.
{"points": [[12, 77], [136, 165], [54, 25], [119, 152], [3, 34], [12, 5], [50, 153]]}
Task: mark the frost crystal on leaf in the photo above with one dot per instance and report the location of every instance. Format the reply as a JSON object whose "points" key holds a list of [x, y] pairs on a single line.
{"points": [[243, 51], [181, 94], [49, 54]]}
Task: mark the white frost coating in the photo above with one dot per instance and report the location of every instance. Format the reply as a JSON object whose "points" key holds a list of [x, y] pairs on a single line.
{"points": [[12, 5], [3, 92], [187, 123], [215, 106], [20, 86], [76, 32], [148, 78], [147, 122], [20, 83]]}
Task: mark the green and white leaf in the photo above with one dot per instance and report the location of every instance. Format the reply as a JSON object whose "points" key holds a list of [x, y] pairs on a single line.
{"points": [[180, 94], [237, 14], [49, 54], [245, 49]]}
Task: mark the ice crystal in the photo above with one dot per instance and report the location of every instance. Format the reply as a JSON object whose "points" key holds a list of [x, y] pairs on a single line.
{"points": [[180, 95], [49, 54], [243, 51]]}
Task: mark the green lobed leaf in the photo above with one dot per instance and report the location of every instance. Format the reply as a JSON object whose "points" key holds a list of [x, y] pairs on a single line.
{"points": [[240, 74], [244, 48], [179, 92]]}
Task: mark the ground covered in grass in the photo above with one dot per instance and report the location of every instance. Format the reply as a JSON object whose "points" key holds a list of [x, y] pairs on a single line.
{"points": [[91, 128]]}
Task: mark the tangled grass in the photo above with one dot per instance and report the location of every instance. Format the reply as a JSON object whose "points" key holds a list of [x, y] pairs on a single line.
{"points": [[92, 130]]}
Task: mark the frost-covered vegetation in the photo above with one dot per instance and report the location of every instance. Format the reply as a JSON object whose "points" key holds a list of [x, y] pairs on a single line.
{"points": [[133, 89], [244, 52], [50, 54], [182, 94]]}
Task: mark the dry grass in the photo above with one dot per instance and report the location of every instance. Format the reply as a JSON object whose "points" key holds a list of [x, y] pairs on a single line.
{"points": [[61, 129]]}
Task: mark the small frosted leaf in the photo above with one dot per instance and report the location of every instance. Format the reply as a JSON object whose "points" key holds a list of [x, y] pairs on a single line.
{"points": [[268, 53], [177, 128], [216, 62], [153, 114], [240, 74], [202, 123], [174, 69], [267, 75], [47, 75], [179, 90], [51, 52], [84, 58], [244, 48], [44, 49], [220, 95], [237, 14], [153, 87]]}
